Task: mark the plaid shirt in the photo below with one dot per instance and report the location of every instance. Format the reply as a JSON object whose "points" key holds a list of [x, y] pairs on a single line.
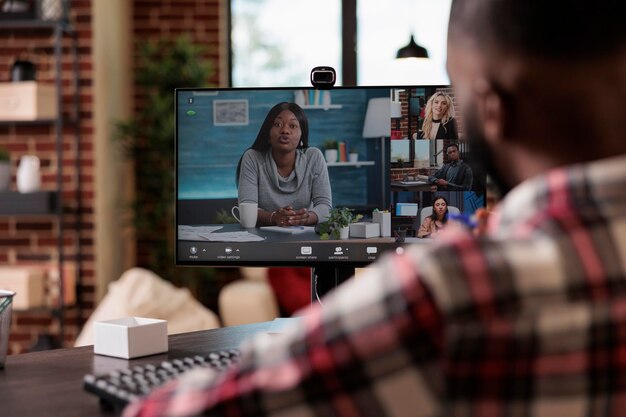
{"points": [[529, 321]]}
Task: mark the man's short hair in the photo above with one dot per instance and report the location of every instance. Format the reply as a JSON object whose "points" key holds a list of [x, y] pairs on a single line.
{"points": [[456, 145], [554, 29]]}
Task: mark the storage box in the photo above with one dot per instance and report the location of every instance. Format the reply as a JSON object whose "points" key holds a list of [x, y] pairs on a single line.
{"points": [[364, 230], [27, 100], [28, 283], [383, 218], [130, 337]]}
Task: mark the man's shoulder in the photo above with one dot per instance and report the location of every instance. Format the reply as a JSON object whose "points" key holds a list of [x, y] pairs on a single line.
{"points": [[466, 273]]}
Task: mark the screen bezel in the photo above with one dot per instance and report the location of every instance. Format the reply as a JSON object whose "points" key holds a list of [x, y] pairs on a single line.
{"points": [[181, 245]]}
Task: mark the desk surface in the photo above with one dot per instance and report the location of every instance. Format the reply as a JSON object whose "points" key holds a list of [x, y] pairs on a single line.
{"points": [[272, 236], [50, 383]]}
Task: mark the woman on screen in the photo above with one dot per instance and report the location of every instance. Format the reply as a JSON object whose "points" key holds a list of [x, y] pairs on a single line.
{"points": [[439, 121], [436, 221], [287, 179]]}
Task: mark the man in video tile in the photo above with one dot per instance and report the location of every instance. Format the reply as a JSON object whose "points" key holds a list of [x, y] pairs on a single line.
{"points": [[455, 175]]}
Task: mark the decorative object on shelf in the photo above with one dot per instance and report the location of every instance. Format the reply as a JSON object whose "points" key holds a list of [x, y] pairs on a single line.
{"points": [[49, 10], [331, 152], [5, 169], [299, 98], [343, 152], [353, 156], [17, 9], [29, 284], [384, 219], [27, 101], [365, 230], [396, 117], [28, 177], [340, 218], [326, 101], [23, 70], [52, 9]]}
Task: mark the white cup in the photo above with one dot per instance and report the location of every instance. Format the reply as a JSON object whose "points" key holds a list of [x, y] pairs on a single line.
{"points": [[247, 214]]}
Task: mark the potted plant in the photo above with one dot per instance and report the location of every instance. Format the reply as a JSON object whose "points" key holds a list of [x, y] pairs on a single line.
{"points": [[331, 150], [338, 224], [5, 169], [353, 155], [223, 217], [148, 138]]}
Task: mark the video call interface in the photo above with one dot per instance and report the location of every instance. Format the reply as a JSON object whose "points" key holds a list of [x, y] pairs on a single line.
{"points": [[395, 157]]}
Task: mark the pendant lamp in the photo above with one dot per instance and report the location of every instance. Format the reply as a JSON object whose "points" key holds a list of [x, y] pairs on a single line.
{"points": [[412, 50]]}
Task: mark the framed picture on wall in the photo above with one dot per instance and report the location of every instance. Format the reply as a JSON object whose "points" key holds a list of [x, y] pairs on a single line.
{"points": [[230, 112]]}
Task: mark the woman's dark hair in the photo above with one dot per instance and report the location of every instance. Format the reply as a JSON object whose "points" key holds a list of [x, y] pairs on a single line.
{"points": [[445, 215], [262, 141]]}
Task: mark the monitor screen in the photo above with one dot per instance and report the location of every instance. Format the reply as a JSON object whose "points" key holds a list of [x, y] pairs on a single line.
{"points": [[262, 174]]}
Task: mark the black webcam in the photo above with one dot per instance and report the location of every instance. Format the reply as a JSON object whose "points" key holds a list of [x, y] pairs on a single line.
{"points": [[323, 78]]}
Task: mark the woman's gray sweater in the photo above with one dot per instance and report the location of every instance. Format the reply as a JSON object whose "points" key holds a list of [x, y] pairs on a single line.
{"points": [[308, 185]]}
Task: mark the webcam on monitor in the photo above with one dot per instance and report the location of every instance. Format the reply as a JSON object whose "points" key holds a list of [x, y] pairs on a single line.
{"points": [[323, 78]]}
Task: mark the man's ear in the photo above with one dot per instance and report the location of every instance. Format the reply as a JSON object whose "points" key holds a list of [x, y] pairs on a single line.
{"points": [[492, 112]]}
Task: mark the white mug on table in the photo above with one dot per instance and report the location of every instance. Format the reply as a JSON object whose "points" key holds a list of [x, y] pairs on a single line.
{"points": [[247, 214]]}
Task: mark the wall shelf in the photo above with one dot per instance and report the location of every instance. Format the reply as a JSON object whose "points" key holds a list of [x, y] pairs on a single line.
{"points": [[322, 107], [13, 203], [38, 122], [30, 24], [350, 164]]}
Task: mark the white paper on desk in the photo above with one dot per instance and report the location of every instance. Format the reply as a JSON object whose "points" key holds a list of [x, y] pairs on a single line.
{"points": [[232, 237], [193, 232], [292, 230]]}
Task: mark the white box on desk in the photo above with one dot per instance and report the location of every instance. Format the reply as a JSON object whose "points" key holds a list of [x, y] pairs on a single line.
{"points": [[383, 218], [130, 337], [364, 230], [27, 100], [27, 282]]}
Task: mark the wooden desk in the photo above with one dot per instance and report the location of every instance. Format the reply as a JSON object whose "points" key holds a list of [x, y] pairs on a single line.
{"points": [[51, 383]]}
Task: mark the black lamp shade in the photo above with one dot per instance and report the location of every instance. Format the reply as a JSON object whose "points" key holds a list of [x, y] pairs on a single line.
{"points": [[412, 50]]}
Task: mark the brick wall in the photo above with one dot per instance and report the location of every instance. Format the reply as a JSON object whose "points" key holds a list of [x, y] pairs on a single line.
{"points": [[29, 240], [32, 240]]}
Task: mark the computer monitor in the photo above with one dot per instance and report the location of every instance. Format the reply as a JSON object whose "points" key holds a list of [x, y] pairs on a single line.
{"points": [[388, 149]]}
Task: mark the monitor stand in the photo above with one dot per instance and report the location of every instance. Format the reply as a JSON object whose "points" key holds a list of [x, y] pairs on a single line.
{"points": [[325, 279]]}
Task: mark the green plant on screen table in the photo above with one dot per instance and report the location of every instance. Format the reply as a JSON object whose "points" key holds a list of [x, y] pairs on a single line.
{"points": [[223, 217], [339, 218]]}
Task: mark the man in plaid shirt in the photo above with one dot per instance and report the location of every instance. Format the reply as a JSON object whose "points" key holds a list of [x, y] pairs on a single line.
{"points": [[529, 320]]}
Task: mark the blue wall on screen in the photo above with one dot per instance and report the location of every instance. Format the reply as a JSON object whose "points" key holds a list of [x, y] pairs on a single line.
{"points": [[208, 154]]}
